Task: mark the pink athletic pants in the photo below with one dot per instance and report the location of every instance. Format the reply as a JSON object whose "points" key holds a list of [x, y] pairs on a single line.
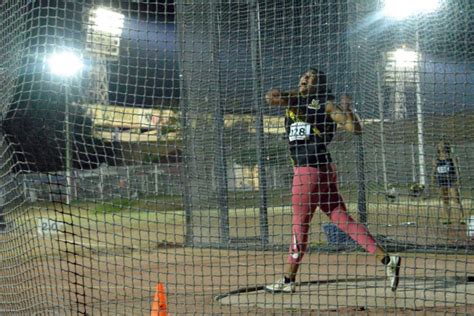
{"points": [[313, 187]]}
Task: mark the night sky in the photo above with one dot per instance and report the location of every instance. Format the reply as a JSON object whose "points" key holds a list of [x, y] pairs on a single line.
{"points": [[148, 69]]}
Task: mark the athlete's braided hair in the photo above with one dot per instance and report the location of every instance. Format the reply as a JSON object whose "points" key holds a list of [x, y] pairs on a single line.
{"points": [[322, 84], [322, 80]]}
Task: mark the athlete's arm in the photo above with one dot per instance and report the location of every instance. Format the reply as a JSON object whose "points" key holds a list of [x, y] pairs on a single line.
{"points": [[343, 115], [456, 169], [433, 173], [281, 98]]}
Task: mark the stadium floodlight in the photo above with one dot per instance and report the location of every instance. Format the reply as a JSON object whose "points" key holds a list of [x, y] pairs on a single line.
{"points": [[65, 63], [402, 9], [404, 59], [104, 29], [107, 21]]}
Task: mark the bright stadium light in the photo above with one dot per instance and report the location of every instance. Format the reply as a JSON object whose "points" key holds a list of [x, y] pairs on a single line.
{"points": [[104, 30], [65, 64], [104, 20], [404, 59], [401, 9]]}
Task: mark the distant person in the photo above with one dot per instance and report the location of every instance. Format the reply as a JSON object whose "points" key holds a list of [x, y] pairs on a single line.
{"points": [[311, 120], [391, 195], [3, 224], [446, 176]]}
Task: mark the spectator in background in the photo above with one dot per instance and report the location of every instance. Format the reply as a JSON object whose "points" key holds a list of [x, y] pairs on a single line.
{"points": [[446, 175]]}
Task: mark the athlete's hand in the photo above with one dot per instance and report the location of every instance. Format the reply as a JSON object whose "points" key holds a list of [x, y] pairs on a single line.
{"points": [[351, 119], [272, 94], [346, 104]]}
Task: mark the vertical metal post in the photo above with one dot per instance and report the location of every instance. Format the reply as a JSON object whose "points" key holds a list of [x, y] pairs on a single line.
{"points": [[25, 190], [129, 184], [75, 194], [256, 51], [362, 201], [68, 145], [376, 165], [155, 176], [50, 183], [101, 184], [413, 163], [382, 128], [3, 194], [185, 127], [220, 167], [419, 112]]}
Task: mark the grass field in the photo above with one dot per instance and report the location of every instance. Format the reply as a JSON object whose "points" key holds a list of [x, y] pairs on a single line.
{"points": [[150, 222]]}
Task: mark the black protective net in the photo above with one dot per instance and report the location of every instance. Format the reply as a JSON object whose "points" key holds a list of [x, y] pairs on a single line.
{"points": [[142, 170]]}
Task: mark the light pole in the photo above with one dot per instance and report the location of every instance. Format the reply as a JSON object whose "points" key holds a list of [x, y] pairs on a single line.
{"points": [[104, 30], [402, 10], [66, 64]]}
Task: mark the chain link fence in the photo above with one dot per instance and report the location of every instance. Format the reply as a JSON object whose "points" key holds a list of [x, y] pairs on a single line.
{"points": [[133, 182]]}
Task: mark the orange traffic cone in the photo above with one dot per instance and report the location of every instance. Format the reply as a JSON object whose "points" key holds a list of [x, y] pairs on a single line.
{"points": [[158, 307]]}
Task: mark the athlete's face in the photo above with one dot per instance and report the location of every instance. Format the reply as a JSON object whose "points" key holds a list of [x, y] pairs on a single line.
{"points": [[443, 149], [308, 83]]}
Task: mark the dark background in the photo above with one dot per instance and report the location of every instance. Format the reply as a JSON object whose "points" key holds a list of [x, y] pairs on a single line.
{"points": [[343, 38]]}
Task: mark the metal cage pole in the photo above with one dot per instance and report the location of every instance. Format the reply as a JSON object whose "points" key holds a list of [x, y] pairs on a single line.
{"points": [[220, 167], [256, 51], [183, 105], [382, 127], [362, 198]]}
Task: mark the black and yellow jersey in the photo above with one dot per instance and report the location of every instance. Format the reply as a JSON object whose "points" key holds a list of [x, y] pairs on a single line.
{"points": [[309, 130], [445, 172]]}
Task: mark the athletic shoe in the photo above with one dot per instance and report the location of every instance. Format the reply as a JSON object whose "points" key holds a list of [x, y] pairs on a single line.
{"points": [[447, 223], [392, 269], [281, 287], [462, 222]]}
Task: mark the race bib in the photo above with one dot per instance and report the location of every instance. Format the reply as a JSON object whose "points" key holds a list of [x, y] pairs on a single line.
{"points": [[299, 131], [443, 169]]}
